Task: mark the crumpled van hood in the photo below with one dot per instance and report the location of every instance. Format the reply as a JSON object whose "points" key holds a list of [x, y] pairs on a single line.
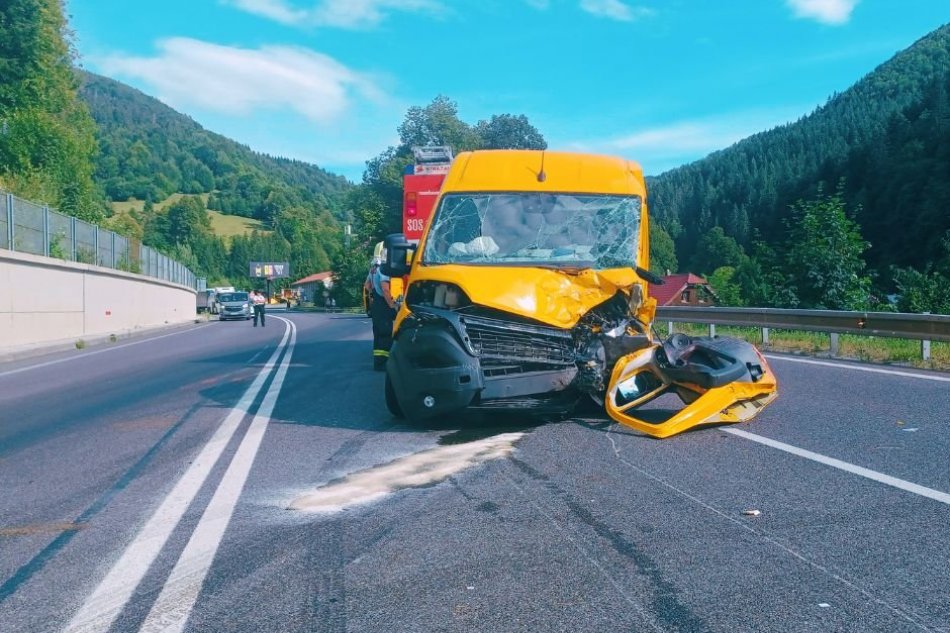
{"points": [[554, 297]]}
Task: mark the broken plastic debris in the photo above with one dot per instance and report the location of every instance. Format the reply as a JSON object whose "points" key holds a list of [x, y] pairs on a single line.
{"points": [[912, 429], [823, 605], [751, 513], [470, 587]]}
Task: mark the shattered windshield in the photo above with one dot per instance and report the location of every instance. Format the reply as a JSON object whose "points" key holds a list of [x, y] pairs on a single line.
{"points": [[535, 229]]}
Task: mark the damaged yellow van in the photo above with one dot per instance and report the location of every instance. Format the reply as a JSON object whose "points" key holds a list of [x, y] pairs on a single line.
{"points": [[528, 292]]}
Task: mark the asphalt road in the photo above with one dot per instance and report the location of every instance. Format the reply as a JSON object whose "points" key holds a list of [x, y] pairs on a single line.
{"points": [[156, 486]]}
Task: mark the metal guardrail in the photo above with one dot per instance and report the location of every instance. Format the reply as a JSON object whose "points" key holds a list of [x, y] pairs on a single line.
{"points": [[27, 227], [922, 327], [357, 310]]}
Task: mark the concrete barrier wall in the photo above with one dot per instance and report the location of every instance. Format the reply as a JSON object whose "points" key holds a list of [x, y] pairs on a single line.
{"points": [[47, 300]]}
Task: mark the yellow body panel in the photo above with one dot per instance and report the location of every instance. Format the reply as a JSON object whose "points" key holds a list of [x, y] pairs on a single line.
{"points": [[735, 402], [553, 297], [561, 298], [396, 288], [548, 296], [564, 172]]}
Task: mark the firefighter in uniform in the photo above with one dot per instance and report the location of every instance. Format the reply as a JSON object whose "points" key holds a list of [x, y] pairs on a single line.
{"points": [[382, 310]]}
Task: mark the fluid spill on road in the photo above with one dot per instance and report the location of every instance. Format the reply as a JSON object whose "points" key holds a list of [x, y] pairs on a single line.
{"points": [[476, 433], [421, 469]]}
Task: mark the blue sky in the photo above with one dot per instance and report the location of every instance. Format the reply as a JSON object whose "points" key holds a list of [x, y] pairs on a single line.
{"points": [[663, 82]]}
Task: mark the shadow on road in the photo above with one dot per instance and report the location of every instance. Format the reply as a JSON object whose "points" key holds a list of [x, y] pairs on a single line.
{"points": [[331, 384]]}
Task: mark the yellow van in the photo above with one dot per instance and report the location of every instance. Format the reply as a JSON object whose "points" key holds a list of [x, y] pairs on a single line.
{"points": [[527, 291]]}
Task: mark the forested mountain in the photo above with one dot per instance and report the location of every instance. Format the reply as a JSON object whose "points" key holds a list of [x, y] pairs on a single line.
{"points": [[149, 151], [885, 142]]}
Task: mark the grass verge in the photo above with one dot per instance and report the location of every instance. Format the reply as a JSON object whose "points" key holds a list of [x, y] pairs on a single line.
{"points": [[872, 349]]}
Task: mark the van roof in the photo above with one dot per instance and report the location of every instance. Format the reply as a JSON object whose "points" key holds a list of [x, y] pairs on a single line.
{"points": [[517, 170]]}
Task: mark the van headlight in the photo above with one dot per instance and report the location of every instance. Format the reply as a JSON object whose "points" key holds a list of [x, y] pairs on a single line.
{"points": [[244, 306], [436, 294]]}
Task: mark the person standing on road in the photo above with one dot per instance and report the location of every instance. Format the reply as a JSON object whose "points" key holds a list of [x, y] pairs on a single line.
{"points": [[382, 310], [258, 299]]}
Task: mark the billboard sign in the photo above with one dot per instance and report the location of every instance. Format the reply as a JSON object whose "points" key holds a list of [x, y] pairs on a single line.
{"points": [[270, 270]]}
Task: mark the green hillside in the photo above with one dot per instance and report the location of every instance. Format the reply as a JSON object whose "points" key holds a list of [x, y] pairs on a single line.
{"points": [[222, 225], [228, 226], [47, 137], [887, 139], [163, 172], [149, 151]]}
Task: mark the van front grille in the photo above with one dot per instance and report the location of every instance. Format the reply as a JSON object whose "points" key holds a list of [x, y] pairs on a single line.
{"points": [[503, 344]]}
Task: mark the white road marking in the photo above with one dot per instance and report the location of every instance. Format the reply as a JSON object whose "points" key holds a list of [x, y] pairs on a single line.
{"points": [[902, 484], [173, 606], [748, 526], [104, 605], [873, 370], [111, 348]]}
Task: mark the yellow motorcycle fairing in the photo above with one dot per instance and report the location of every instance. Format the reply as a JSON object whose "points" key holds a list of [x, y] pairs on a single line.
{"points": [[637, 379]]}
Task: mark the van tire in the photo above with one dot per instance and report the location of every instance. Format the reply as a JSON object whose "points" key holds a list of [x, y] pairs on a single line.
{"points": [[391, 402]]}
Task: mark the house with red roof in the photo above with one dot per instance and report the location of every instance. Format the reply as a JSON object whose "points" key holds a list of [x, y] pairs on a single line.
{"points": [[313, 287], [683, 290]]}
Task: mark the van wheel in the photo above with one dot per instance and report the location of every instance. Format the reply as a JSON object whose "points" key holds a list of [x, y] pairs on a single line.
{"points": [[391, 402]]}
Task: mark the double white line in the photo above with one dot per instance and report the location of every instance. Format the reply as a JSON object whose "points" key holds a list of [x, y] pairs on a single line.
{"points": [[173, 606]]}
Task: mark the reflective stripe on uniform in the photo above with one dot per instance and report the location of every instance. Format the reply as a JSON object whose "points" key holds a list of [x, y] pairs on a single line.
{"points": [[380, 352]]}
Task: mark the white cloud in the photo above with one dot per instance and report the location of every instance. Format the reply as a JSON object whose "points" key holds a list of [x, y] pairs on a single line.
{"points": [[666, 146], [190, 73], [276, 10], [825, 11], [346, 14], [614, 9], [679, 137]]}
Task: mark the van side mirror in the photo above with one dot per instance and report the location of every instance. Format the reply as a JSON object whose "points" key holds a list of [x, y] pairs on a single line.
{"points": [[398, 260]]}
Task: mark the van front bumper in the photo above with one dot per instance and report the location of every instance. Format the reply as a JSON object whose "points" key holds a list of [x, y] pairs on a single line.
{"points": [[443, 362]]}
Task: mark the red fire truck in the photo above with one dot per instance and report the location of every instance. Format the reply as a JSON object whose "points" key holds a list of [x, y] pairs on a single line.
{"points": [[421, 184]]}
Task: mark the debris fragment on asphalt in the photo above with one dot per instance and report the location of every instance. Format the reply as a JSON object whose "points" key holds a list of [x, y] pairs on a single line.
{"points": [[751, 513]]}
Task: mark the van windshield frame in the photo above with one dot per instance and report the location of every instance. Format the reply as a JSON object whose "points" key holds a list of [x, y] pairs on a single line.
{"points": [[550, 230]]}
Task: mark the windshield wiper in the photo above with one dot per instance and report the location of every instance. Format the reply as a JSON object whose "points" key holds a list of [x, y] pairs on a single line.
{"points": [[569, 269]]}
